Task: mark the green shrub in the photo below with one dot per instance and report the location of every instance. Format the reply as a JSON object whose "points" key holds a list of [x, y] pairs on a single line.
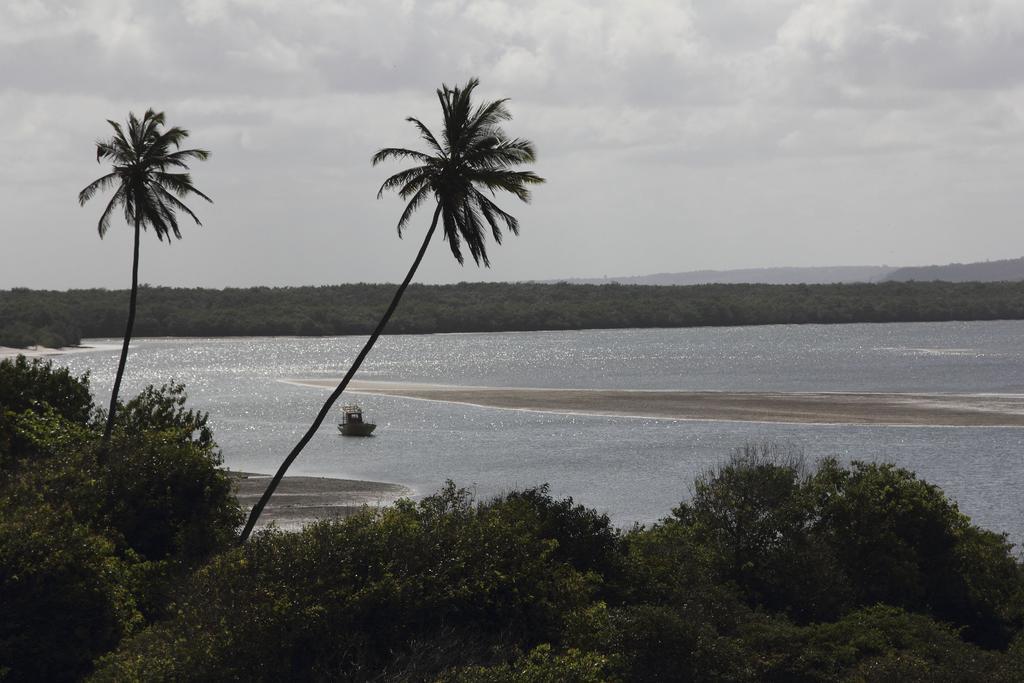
{"points": [[900, 541], [164, 491], [816, 545], [26, 385], [347, 600], [64, 596], [541, 665], [34, 385], [584, 538], [89, 550], [878, 643]]}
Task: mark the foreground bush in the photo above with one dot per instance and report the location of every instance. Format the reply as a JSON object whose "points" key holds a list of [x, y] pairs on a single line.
{"points": [[89, 552], [404, 591], [528, 588], [64, 593], [817, 545]]}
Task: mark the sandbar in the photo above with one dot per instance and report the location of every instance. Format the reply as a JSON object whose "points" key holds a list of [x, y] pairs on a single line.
{"points": [[300, 500], [41, 351], [907, 409]]}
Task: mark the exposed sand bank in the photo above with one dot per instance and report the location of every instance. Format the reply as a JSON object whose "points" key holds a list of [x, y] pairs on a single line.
{"points": [[40, 351], [301, 500], [963, 410], [30, 352]]}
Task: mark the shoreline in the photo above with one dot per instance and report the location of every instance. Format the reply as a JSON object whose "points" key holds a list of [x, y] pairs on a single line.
{"points": [[300, 500], [44, 351], [854, 408]]}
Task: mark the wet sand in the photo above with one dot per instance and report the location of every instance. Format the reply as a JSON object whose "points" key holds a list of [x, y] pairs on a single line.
{"points": [[959, 410], [42, 351], [31, 352], [301, 500]]}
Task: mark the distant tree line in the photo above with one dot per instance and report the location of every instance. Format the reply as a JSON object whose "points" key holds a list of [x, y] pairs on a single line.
{"points": [[53, 318]]}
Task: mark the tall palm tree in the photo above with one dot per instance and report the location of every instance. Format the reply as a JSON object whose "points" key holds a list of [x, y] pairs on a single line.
{"points": [[473, 159], [150, 174]]}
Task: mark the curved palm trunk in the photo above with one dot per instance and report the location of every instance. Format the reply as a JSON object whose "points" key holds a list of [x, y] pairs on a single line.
{"points": [[257, 509], [124, 347]]}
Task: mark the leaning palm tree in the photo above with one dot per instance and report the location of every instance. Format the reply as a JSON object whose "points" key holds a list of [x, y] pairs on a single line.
{"points": [[150, 174], [461, 171]]}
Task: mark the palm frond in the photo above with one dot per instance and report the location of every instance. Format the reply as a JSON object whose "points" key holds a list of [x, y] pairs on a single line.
{"points": [[184, 154], [485, 121], [173, 202], [401, 179], [502, 154], [95, 186], [417, 200], [160, 216], [452, 227], [509, 181], [118, 131], [179, 183], [473, 232], [492, 211], [115, 201], [171, 136], [413, 186], [427, 136], [135, 131], [398, 153]]}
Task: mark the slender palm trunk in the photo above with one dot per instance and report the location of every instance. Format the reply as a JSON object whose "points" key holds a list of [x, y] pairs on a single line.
{"points": [[124, 347], [254, 515]]}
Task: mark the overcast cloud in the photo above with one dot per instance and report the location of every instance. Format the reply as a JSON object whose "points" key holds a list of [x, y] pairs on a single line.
{"points": [[674, 135]]}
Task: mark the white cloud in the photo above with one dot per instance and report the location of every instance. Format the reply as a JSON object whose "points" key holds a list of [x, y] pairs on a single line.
{"points": [[731, 109]]}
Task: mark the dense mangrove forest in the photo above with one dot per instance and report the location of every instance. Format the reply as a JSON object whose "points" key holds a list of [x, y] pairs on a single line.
{"points": [[64, 318]]}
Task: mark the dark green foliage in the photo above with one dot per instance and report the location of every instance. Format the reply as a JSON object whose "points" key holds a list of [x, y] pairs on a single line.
{"points": [[38, 387], [752, 513], [541, 665], [584, 538], [900, 541], [29, 318], [378, 592], [165, 494], [64, 596], [662, 643], [879, 643], [89, 551], [527, 588], [815, 546], [26, 385], [164, 491], [493, 307], [163, 410]]}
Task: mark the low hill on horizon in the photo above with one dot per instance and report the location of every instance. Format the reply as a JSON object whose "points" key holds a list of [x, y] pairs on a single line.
{"points": [[1006, 270], [816, 275]]}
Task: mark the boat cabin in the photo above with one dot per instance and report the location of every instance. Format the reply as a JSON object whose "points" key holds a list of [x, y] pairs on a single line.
{"points": [[351, 415]]}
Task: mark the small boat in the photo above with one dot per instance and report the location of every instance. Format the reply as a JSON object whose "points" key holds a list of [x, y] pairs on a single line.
{"points": [[352, 422]]}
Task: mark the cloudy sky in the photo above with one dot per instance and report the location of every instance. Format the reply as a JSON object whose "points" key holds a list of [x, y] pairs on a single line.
{"points": [[674, 135]]}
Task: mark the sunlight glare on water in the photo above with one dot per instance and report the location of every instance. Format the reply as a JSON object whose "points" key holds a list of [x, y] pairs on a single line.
{"points": [[634, 469]]}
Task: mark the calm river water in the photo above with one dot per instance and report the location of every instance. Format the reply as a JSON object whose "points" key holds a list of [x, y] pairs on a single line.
{"points": [[636, 470]]}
